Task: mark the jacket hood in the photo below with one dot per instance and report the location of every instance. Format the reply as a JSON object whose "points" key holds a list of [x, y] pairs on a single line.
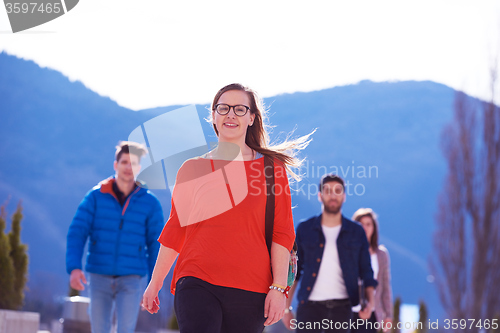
{"points": [[106, 186]]}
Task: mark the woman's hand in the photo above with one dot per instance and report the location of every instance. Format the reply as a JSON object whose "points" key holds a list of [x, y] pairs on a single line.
{"points": [[287, 318], [166, 257], [386, 325], [274, 308], [366, 312], [275, 305], [150, 301]]}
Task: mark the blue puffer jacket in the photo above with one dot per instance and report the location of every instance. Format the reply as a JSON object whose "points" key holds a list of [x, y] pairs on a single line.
{"points": [[122, 240]]}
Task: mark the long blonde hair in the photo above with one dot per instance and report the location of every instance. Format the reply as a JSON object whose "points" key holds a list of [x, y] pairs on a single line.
{"points": [[257, 137]]}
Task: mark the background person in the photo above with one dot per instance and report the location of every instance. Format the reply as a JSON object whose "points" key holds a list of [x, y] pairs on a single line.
{"points": [[333, 255], [222, 280], [122, 222], [381, 266]]}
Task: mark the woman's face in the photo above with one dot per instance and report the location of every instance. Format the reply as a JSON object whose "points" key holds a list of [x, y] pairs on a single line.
{"points": [[367, 224], [233, 128]]}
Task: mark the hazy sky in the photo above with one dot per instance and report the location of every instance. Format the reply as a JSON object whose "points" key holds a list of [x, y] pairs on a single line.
{"points": [[154, 53]]}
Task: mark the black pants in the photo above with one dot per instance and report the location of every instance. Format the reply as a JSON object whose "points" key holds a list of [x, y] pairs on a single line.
{"points": [[202, 307], [324, 316], [370, 326]]}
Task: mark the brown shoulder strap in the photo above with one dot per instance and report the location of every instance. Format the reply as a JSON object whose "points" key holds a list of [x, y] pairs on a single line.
{"points": [[269, 174]]}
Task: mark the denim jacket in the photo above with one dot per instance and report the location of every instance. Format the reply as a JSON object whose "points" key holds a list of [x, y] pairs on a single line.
{"points": [[353, 253]]}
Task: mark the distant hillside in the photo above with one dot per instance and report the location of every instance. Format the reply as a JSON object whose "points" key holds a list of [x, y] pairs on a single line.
{"points": [[58, 138]]}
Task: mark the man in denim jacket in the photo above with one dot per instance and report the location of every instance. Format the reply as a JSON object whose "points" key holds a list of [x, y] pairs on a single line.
{"points": [[333, 257], [122, 222]]}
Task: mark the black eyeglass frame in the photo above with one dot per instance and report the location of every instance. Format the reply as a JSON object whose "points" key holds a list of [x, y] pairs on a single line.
{"points": [[229, 110]]}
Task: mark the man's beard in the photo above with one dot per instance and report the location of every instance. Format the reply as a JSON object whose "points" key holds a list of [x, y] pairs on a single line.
{"points": [[333, 210]]}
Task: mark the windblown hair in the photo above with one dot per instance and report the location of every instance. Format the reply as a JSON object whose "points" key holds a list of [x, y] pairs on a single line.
{"points": [[257, 137], [362, 212], [130, 147]]}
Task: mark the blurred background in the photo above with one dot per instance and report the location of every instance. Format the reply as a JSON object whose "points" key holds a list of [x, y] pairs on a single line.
{"points": [[403, 96]]}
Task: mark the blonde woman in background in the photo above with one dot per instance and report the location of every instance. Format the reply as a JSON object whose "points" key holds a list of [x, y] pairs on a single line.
{"points": [[382, 272]]}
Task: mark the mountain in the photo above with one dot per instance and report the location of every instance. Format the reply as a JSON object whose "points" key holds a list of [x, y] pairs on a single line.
{"points": [[58, 139]]}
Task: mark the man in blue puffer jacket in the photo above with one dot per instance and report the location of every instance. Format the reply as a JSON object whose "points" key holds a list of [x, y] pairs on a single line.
{"points": [[122, 222]]}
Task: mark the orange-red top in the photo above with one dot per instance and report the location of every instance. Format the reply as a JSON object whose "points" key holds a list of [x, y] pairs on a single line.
{"points": [[217, 222]]}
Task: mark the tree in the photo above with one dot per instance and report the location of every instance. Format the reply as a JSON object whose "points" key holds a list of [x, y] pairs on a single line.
{"points": [[13, 262], [395, 321], [6, 265], [467, 237], [19, 257], [422, 311], [73, 292], [172, 323]]}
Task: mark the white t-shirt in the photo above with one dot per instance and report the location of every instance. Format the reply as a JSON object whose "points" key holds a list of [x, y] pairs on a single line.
{"points": [[374, 262], [330, 281]]}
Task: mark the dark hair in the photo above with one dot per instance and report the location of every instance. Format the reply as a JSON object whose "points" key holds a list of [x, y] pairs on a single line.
{"points": [[362, 212], [130, 147], [257, 137], [331, 177]]}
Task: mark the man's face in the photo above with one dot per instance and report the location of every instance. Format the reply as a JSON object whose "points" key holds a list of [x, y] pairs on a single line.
{"points": [[127, 167], [332, 197]]}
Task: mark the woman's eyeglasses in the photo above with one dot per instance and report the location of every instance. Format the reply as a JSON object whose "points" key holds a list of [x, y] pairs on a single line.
{"points": [[239, 110]]}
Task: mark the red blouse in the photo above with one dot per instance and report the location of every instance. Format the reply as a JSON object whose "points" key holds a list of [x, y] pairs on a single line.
{"points": [[217, 222]]}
